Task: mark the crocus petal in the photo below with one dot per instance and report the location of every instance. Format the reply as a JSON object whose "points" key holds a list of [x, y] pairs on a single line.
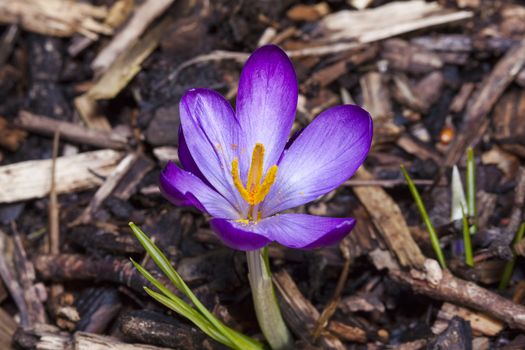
{"points": [[291, 230], [266, 104], [183, 188], [186, 160], [235, 235], [322, 157], [211, 132]]}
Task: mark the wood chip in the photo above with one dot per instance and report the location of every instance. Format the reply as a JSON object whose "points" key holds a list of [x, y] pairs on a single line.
{"points": [[387, 21], [389, 221], [7, 329], [406, 57], [476, 121], [127, 37], [460, 100], [308, 13], [32, 179], [509, 129], [55, 17], [376, 100], [107, 187], [51, 338], [128, 63], [10, 138], [299, 313], [480, 323]]}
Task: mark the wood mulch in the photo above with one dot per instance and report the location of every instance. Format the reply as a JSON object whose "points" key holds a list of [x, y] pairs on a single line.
{"points": [[89, 115]]}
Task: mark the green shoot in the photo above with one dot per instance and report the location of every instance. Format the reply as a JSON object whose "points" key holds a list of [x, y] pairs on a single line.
{"points": [[200, 316], [471, 190], [469, 260], [423, 212], [509, 266]]}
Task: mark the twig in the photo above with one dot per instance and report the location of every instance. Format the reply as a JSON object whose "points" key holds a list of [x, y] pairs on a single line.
{"points": [[330, 309], [54, 228], [460, 292], [69, 131]]}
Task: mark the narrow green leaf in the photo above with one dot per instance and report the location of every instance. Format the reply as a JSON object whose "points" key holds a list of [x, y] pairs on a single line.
{"points": [[423, 212], [161, 287], [509, 266], [471, 189], [241, 341], [469, 259], [202, 323]]}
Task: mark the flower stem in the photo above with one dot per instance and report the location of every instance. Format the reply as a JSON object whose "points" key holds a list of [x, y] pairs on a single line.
{"points": [[265, 301]]}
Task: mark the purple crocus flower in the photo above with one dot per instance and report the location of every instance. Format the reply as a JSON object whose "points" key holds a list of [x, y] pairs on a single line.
{"points": [[240, 168]]}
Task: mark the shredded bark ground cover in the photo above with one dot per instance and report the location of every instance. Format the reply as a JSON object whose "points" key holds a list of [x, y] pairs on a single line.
{"points": [[89, 96]]}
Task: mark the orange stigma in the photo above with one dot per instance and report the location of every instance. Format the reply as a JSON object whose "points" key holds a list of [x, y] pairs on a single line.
{"points": [[256, 188]]}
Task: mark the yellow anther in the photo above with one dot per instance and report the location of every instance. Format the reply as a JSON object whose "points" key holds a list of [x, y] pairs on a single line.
{"points": [[255, 191], [237, 179], [269, 179], [256, 168]]}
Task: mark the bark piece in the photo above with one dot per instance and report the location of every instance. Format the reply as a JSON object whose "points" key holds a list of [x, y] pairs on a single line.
{"points": [[308, 13], [389, 221], [299, 313], [97, 307], [7, 329], [10, 138], [476, 121], [460, 100], [418, 149], [404, 93], [90, 237], [457, 336], [156, 329], [376, 100], [480, 323], [406, 57], [131, 179], [429, 88], [32, 179], [509, 129]]}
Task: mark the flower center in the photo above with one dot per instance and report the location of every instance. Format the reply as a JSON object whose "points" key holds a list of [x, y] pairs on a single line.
{"points": [[256, 188]]}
